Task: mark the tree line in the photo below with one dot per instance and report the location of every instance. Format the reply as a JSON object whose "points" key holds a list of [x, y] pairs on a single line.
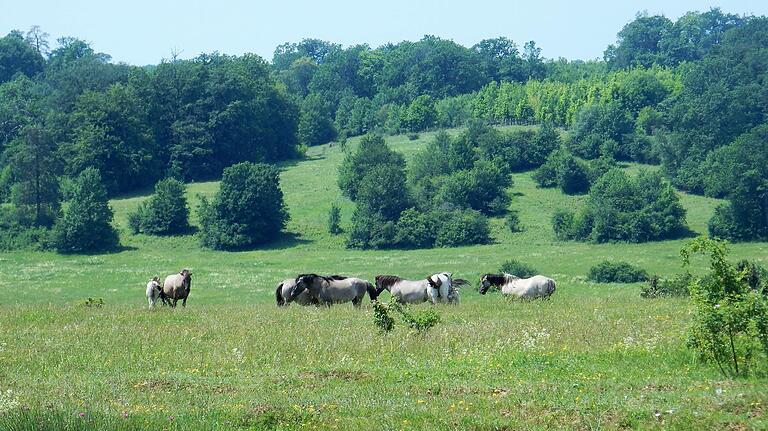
{"points": [[689, 94]]}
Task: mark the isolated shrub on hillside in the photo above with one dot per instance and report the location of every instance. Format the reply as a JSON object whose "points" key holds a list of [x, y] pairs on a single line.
{"points": [[482, 188], [462, 227], [730, 326], [562, 224], [383, 190], [616, 272], [512, 220], [372, 152], [247, 210], [416, 229], [573, 177], [86, 223], [370, 230], [723, 224], [658, 287], [164, 213], [620, 208], [518, 269], [334, 220], [565, 171]]}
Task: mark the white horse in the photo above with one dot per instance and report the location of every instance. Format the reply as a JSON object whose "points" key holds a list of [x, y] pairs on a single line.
{"points": [[154, 291], [436, 288], [283, 294], [537, 286]]}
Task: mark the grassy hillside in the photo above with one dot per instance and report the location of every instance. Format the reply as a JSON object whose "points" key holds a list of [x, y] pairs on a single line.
{"points": [[595, 356]]}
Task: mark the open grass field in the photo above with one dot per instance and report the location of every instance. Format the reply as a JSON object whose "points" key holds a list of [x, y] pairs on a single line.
{"points": [[594, 357]]}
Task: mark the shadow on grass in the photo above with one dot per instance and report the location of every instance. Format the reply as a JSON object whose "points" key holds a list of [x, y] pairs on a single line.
{"points": [[116, 250]]}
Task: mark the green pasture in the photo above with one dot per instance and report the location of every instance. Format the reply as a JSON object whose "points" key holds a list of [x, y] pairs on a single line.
{"points": [[595, 356]]}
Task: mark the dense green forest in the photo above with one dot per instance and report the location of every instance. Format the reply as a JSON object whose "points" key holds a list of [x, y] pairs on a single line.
{"points": [[690, 95]]}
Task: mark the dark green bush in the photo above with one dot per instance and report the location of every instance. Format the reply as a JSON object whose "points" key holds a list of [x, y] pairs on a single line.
{"points": [[573, 177], [620, 208], [86, 223], [562, 224], [462, 227], [334, 220], [416, 229], [512, 220], [616, 272], [723, 224], [658, 287], [247, 210], [164, 213], [370, 230], [518, 269]]}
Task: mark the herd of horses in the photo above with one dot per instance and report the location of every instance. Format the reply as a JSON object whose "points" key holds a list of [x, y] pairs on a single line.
{"points": [[314, 289]]}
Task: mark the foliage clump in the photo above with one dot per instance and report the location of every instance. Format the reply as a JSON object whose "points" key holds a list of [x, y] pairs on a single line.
{"points": [[164, 213], [334, 220], [730, 325], [658, 287], [616, 272], [86, 223], [247, 210], [620, 208], [421, 321], [518, 269]]}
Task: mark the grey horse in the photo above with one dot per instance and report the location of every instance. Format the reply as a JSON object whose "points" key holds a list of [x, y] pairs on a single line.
{"points": [[177, 286], [283, 294], [335, 289]]}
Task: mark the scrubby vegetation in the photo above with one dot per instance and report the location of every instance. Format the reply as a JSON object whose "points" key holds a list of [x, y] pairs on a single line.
{"points": [[247, 210], [616, 272], [621, 208], [165, 213]]}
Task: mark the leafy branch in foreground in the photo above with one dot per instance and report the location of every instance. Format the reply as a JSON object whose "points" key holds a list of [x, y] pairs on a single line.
{"points": [[421, 321], [730, 326]]}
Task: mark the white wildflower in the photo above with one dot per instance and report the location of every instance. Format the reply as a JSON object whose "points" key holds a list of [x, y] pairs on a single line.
{"points": [[8, 401]]}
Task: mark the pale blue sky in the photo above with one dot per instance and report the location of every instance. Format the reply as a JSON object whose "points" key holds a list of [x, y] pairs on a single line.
{"points": [[143, 31]]}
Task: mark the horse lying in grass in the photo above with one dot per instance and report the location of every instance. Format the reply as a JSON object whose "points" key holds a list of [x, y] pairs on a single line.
{"points": [[537, 286], [177, 286], [436, 288], [332, 290], [283, 294]]}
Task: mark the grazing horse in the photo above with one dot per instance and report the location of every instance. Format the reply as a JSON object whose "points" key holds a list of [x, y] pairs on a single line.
{"points": [[435, 288], [332, 290], [283, 294], [177, 286], [154, 291], [537, 286]]}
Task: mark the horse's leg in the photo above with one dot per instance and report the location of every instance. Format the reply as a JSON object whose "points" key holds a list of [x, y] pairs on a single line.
{"points": [[357, 301], [184, 302], [174, 302]]}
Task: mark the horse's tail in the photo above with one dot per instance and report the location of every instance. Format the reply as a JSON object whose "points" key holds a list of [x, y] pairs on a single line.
{"points": [[279, 295]]}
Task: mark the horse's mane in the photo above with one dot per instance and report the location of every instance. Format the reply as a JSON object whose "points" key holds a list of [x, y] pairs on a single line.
{"points": [[386, 281], [496, 279], [336, 277]]}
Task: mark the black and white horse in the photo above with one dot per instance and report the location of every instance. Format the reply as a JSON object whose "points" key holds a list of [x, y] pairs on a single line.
{"points": [[437, 288]]}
